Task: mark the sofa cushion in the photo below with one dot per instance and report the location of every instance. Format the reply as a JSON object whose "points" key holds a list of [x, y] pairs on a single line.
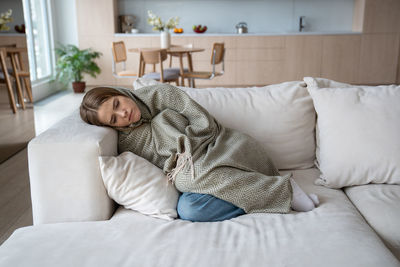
{"points": [[333, 234], [280, 117], [380, 206], [358, 131], [316, 83], [139, 185]]}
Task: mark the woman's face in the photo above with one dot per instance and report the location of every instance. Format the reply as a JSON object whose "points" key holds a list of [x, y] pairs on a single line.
{"points": [[118, 111]]}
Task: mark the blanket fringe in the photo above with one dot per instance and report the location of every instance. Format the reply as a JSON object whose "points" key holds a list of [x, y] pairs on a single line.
{"points": [[181, 160]]}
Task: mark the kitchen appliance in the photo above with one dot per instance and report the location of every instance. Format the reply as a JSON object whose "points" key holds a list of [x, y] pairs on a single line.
{"points": [[241, 27]]}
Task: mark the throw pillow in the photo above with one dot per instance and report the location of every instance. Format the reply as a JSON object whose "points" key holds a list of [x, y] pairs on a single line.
{"points": [[324, 83], [137, 184], [358, 129], [280, 117]]}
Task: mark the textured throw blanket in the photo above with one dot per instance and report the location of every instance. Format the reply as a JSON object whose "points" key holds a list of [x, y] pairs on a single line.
{"points": [[199, 155]]}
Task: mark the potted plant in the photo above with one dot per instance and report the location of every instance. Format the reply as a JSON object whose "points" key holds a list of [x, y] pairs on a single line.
{"points": [[72, 63]]}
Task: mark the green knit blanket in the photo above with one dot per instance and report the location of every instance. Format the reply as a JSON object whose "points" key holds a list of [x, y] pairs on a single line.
{"points": [[200, 155]]}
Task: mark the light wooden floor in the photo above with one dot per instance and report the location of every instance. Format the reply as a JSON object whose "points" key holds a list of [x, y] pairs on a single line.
{"points": [[15, 129], [15, 198]]}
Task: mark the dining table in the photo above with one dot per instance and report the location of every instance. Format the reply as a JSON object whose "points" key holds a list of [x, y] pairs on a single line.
{"points": [[178, 51]]}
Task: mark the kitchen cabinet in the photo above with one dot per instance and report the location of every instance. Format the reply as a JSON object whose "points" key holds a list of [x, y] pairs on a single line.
{"points": [[303, 56], [341, 57], [378, 58]]}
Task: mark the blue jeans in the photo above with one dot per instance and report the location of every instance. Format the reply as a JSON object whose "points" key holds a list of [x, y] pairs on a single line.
{"points": [[206, 208]]}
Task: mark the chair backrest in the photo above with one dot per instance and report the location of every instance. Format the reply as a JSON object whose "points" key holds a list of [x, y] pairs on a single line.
{"points": [[217, 53], [119, 51], [152, 56]]}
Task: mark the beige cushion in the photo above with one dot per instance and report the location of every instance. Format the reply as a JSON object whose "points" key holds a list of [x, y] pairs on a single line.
{"points": [[323, 83], [280, 117], [136, 184], [380, 206], [167, 75], [358, 133]]}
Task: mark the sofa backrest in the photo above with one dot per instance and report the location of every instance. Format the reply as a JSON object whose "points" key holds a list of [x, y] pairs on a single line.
{"points": [[281, 117]]}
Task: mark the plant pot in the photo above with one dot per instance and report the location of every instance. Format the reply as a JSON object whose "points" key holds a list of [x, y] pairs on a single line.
{"points": [[79, 87]]}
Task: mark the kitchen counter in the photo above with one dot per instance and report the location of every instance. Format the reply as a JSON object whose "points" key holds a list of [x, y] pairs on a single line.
{"points": [[191, 34]]}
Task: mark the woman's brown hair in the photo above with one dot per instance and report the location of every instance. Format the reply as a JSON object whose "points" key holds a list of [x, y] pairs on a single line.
{"points": [[92, 101]]}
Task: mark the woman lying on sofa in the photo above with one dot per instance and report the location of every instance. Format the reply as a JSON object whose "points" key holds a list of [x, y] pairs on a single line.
{"points": [[221, 172]]}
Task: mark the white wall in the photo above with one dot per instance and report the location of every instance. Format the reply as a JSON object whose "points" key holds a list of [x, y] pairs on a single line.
{"points": [[221, 16], [65, 22]]}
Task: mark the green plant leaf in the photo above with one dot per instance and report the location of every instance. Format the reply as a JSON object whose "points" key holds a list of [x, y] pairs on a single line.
{"points": [[73, 62]]}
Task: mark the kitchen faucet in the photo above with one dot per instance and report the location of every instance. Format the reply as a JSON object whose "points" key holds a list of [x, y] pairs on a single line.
{"points": [[302, 23]]}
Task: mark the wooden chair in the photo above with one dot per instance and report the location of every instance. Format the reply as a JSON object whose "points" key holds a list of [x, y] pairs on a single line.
{"points": [[119, 56], [154, 57], [217, 57], [15, 54], [5, 78]]}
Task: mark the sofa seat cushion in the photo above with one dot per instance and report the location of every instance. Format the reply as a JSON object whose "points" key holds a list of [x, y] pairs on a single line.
{"points": [[380, 206], [334, 234]]}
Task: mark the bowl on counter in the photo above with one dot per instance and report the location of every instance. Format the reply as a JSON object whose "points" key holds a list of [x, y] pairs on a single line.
{"points": [[199, 28]]}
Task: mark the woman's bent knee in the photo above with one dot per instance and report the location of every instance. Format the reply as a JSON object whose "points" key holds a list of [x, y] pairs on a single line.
{"points": [[205, 208], [188, 207]]}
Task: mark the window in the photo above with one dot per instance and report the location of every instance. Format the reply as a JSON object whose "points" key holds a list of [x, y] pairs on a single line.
{"points": [[36, 13]]}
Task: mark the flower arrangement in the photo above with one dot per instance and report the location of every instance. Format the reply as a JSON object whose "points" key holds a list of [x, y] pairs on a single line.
{"points": [[157, 23], [4, 19]]}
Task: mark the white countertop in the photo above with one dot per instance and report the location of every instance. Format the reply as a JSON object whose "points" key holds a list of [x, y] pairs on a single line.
{"points": [[191, 34]]}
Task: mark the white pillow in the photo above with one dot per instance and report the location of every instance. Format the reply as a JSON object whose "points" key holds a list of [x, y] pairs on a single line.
{"points": [[142, 82], [280, 117], [358, 133], [323, 83], [137, 184]]}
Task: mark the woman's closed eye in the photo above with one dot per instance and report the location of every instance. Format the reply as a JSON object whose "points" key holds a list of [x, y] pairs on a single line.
{"points": [[113, 118], [115, 103]]}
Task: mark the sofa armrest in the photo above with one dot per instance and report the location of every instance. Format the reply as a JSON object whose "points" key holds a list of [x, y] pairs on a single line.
{"points": [[64, 171]]}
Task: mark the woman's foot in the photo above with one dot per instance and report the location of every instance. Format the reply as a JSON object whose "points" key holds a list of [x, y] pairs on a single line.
{"points": [[314, 199], [301, 201]]}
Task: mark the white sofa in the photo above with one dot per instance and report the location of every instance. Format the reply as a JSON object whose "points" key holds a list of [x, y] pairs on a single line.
{"points": [[77, 224]]}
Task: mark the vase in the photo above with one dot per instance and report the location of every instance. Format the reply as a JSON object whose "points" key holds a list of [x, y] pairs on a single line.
{"points": [[165, 39]]}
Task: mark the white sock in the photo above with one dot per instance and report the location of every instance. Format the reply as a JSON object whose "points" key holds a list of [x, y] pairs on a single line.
{"points": [[301, 201], [314, 199]]}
